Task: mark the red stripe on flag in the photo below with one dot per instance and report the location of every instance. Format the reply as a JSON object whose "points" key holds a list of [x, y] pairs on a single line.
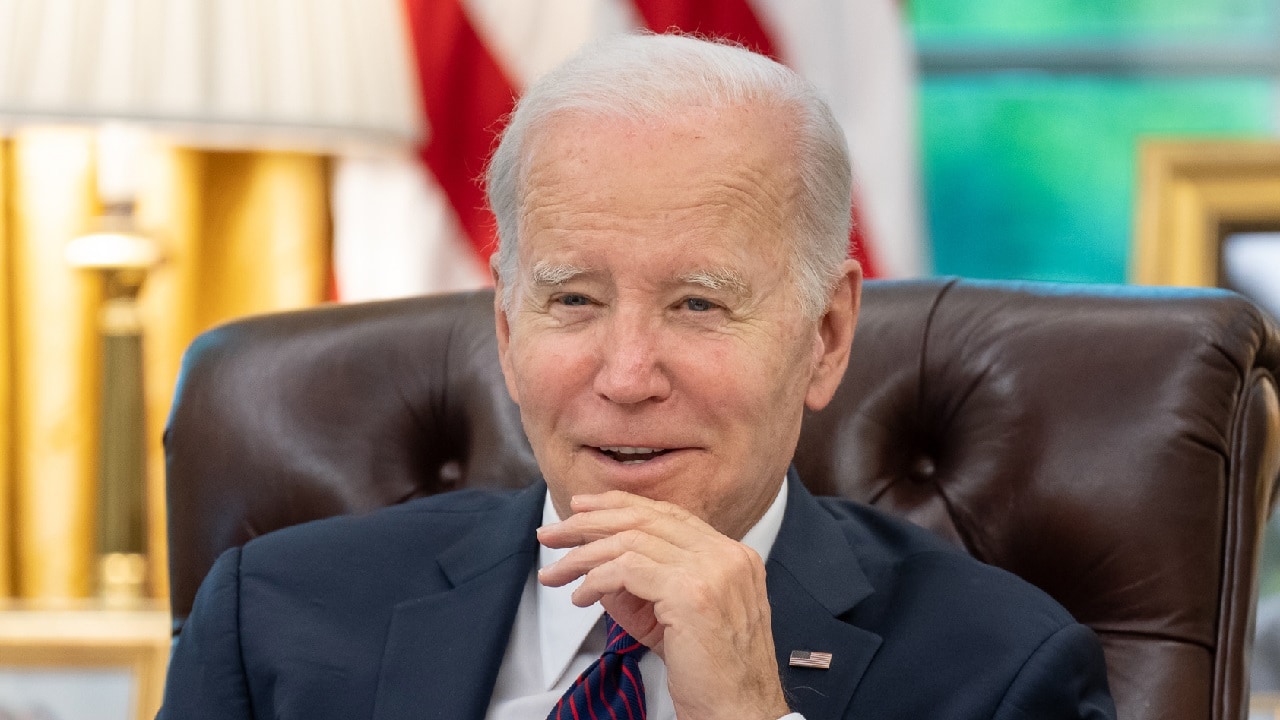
{"points": [[737, 20], [732, 19], [466, 96], [859, 244]]}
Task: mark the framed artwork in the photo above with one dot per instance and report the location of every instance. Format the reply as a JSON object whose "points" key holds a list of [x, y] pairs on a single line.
{"points": [[1209, 215], [82, 664]]}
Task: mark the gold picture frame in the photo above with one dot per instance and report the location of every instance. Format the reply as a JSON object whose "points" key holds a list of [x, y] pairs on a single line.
{"points": [[64, 657], [1192, 195], [1264, 706]]}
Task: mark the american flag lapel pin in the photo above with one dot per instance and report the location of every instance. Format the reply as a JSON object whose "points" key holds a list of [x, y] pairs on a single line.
{"points": [[810, 659]]}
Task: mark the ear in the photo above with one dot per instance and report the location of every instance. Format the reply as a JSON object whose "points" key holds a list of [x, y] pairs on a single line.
{"points": [[502, 325], [835, 338]]}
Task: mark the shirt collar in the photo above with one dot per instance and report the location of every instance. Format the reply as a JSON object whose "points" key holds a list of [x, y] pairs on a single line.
{"points": [[563, 626]]}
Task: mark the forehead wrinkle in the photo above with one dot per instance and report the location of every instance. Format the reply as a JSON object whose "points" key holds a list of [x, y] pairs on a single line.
{"points": [[765, 197]]}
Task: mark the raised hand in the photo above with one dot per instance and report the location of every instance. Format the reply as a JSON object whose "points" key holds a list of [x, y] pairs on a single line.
{"points": [[692, 595]]}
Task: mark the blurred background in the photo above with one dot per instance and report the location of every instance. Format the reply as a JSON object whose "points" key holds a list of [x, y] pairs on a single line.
{"points": [[214, 158], [1031, 115]]}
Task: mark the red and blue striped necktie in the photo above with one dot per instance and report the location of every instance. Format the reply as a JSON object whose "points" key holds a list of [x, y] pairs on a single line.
{"points": [[611, 688]]}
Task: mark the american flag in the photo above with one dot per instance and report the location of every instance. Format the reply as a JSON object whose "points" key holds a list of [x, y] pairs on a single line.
{"points": [[810, 659], [420, 224]]}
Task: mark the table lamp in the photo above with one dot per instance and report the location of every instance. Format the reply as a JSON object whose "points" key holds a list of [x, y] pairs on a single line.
{"points": [[330, 76]]}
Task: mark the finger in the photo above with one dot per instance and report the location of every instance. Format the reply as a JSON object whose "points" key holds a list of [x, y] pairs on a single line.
{"points": [[631, 573], [636, 616], [669, 523], [589, 526], [586, 557], [732, 581], [612, 499]]}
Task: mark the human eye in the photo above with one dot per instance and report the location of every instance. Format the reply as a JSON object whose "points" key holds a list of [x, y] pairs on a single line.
{"points": [[572, 307], [571, 300], [697, 304]]}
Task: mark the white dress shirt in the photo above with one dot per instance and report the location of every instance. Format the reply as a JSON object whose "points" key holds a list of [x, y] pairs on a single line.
{"points": [[553, 641]]}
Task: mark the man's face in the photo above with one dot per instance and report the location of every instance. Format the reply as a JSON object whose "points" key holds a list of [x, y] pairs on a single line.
{"points": [[655, 342]]}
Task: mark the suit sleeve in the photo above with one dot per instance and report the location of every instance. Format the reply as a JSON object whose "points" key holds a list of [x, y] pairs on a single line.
{"points": [[206, 674], [1064, 679]]}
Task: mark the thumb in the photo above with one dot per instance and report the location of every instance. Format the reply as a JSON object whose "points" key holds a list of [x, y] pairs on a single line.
{"points": [[636, 616]]}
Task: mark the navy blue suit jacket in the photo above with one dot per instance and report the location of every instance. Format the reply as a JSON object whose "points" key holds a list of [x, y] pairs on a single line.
{"points": [[405, 614]]}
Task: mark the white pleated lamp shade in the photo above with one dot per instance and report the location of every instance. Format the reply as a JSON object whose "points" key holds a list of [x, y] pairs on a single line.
{"points": [[316, 74]]}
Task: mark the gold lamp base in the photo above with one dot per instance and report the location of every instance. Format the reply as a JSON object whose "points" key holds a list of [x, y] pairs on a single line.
{"points": [[123, 256], [122, 579]]}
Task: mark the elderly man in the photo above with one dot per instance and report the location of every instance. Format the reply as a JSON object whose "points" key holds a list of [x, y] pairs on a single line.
{"points": [[672, 291]]}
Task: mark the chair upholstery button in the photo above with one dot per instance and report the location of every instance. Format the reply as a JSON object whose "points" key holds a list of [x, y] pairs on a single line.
{"points": [[922, 469]]}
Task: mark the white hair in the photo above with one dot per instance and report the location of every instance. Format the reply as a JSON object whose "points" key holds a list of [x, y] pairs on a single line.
{"points": [[643, 77]]}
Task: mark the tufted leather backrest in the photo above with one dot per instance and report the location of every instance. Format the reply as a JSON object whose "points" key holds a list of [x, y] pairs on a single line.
{"points": [[1118, 447]]}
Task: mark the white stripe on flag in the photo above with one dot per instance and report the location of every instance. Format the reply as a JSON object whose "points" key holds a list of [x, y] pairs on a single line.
{"points": [[859, 56], [530, 38], [395, 233], [404, 240]]}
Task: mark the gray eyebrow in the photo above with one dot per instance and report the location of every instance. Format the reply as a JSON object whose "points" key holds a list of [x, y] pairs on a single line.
{"points": [[717, 279], [547, 274]]}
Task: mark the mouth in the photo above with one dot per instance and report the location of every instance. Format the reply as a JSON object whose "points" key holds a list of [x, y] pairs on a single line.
{"points": [[628, 455]]}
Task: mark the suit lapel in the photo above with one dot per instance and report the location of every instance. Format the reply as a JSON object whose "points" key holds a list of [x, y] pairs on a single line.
{"points": [[813, 578], [444, 650]]}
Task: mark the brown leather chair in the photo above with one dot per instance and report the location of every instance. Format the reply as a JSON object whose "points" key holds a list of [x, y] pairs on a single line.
{"points": [[1118, 447]]}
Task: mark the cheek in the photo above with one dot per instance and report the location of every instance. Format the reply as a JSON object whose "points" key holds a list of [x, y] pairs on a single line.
{"points": [[763, 375], [547, 373], [797, 358], [739, 396]]}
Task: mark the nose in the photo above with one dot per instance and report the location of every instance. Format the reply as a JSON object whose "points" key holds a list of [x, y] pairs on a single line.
{"points": [[631, 370]]}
